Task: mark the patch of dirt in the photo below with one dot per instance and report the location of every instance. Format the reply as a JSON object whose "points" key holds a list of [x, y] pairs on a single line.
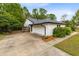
{"points": [[48, 38]]}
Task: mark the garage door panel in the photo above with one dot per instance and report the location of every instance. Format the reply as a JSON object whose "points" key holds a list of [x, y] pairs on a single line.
{"points": [[38, 30]]}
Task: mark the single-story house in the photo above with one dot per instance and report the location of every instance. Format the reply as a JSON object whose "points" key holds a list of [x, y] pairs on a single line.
{"points": [[42, 27]]}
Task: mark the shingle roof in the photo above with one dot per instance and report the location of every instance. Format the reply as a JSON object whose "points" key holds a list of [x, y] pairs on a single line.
{"points": [[41, 21]]}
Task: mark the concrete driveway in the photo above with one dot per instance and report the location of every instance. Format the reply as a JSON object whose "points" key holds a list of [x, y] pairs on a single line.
{"points": [[27, 44], [21, 44]]}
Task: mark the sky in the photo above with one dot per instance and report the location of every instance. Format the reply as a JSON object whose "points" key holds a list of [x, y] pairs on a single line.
{"points": [[58, 9]]}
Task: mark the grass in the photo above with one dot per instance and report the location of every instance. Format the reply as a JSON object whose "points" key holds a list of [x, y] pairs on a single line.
{"points": [[70, 45]]}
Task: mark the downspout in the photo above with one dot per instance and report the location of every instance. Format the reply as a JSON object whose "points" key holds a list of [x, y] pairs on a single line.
{"points": [[44, 30]]}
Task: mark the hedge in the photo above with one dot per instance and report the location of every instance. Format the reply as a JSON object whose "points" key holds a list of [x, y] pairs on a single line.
{"points": [[61, 31]]}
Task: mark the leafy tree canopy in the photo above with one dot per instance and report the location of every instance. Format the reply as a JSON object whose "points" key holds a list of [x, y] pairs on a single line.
{"points": [[11, 16], [41, 13], [51, 16]]}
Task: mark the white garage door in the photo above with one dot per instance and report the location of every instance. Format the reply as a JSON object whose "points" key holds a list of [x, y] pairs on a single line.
{"points": [[38, 29]]}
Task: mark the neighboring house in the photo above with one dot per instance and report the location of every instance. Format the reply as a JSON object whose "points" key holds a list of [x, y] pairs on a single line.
{"points": [[42, 27]]}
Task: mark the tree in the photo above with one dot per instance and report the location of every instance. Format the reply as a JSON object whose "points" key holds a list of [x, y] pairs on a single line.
{"points": [[11, 16], [64, 17], [7, 22], [26, 12], [39, 13], [74, 21], [77, 13], [75, 18], [35, 13], [42, 13], [70, 24], [51, 16], [14, 9]]}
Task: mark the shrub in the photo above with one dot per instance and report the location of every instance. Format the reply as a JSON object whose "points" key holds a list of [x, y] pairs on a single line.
{"points": [[61, 31], [68, 30], [58, 32]]}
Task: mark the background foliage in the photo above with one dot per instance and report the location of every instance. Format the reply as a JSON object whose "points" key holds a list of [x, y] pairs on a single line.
{"points": [[11, 17]]}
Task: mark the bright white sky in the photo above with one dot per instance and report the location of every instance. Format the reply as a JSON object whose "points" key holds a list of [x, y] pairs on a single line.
{"points": [[58, 9]]}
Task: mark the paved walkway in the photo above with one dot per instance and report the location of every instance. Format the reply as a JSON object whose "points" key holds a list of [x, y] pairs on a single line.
{"points": [[30, 45], [52, 51]]}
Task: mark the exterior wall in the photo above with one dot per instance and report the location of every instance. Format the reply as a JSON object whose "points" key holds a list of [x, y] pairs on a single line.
{"points": [[62, 25], [38, 29], [49, 29], [27, 22]]}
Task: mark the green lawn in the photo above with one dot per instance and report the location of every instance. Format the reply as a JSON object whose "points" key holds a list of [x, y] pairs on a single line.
{"points": [[70, 45]]}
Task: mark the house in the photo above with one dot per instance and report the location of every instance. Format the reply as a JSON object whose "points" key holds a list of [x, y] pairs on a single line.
{"points": [[42, 27]]}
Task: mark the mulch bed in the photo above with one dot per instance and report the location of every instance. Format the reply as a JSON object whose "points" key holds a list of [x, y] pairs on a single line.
{"points": [[47, 38]]}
